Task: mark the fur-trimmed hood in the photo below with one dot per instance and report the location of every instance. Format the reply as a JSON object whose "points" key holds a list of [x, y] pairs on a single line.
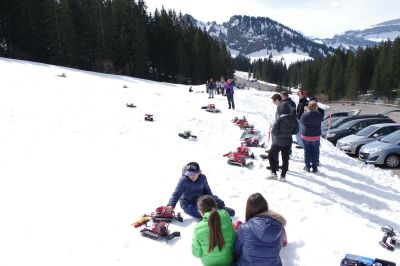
{"points": [[267, 226], [275, 216]]}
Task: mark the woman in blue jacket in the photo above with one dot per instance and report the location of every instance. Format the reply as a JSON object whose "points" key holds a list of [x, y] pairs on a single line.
{"points": [[191, 186], [259, 239]]}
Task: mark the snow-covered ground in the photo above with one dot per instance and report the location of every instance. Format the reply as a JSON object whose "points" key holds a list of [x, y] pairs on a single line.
{"points": [[287, 56], [77, 167]]}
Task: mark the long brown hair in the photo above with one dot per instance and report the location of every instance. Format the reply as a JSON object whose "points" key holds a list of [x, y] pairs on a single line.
{"points": [[205, 204], [256, 204]]}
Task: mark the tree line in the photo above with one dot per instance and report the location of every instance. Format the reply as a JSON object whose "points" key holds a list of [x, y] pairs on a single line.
{"points": [[111, 36], [341, 75]]}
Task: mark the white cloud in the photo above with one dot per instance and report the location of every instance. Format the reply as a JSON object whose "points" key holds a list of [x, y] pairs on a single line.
{"points": [[317, 18], [335, 4]]}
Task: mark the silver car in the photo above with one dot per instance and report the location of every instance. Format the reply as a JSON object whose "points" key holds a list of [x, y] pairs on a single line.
{"points": [[383, 152], [353, 143]]}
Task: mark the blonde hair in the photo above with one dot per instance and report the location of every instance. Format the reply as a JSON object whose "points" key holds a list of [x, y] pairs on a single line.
{"points": [[312, 106]]}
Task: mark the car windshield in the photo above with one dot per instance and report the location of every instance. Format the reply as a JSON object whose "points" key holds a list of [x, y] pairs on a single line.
{"points": [[337, 122], [348, 124], [326, 122], [392, 138], [366, 131]]}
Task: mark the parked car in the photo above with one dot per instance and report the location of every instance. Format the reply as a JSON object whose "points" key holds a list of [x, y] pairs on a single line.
{"points": [[342, 120], [383, 152], [342, 114], [353, 143], [330, 118], [353, 126]]}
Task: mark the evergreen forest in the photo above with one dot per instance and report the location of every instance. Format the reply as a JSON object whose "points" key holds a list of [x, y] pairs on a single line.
{"points": [[372, 71], [111, 36]]}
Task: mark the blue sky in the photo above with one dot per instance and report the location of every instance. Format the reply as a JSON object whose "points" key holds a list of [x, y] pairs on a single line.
{"points": [[319, 18]]}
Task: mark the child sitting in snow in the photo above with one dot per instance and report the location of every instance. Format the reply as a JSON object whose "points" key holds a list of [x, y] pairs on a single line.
{"points": [[191, 186], [214, 235], [262, 233]]}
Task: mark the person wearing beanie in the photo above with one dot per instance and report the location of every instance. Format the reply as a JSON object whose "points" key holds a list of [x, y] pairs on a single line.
{"points": [[190, 187]]}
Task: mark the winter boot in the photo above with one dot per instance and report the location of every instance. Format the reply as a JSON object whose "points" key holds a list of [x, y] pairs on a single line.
{"points": [[283, 177], [306, 169], [273, 175]]}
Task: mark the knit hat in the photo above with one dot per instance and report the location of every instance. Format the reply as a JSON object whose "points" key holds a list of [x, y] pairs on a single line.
{"points": [[192, 169]]}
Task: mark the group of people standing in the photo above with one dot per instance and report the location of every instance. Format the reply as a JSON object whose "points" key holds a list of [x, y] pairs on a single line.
{"points": [[304, 121], [216, 240], [225, 88]]}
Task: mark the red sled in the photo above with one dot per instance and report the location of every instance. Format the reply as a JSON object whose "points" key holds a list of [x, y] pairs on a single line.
{"points": [[211, 108], [237, 159], [158, 231], [242, 151]]}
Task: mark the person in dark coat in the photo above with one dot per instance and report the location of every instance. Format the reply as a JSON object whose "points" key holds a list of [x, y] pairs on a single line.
{"points": [[190, 187], [303, 102], [284, 127], [287, 99], [322, 111], [259, 240], [229, 93], [311, 135]]}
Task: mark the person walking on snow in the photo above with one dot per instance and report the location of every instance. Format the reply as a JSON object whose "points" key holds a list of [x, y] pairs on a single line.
{"points": [[190, 187], [284, 127], [303, 102], [211, 88], [229, 93]]}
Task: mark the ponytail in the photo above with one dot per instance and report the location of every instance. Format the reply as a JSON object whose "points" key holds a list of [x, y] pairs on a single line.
{"points": [[216, 238], [206, 203]]}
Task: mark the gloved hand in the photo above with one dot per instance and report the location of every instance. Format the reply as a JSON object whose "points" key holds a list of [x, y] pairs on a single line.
{"points": [[236, 225]]}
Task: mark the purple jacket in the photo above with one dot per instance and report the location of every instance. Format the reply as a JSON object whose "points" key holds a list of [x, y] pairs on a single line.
{"points": [[229, 88]]}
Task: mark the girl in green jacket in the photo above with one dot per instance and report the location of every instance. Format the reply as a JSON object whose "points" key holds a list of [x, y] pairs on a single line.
{"points": [[214, 235]]}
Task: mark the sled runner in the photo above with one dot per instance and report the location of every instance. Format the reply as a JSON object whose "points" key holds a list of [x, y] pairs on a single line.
{"points": [[161, 219]]}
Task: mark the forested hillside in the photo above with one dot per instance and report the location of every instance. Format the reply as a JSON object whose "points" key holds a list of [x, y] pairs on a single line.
{"points": [[343, 75], [118, 36]]}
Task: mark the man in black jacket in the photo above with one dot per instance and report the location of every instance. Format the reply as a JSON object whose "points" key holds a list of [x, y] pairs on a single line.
{"points": [[287, 99], [284, 127], [303, 102]]}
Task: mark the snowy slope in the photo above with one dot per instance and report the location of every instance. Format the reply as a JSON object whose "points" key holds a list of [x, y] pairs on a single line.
{"points": [[77, 167]]}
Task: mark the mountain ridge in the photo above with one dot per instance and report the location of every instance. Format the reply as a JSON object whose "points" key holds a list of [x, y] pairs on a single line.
{"points": [[260, 37]]}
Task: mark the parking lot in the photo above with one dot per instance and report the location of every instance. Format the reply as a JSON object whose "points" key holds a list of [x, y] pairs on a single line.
{"points": [[366, 109]]}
